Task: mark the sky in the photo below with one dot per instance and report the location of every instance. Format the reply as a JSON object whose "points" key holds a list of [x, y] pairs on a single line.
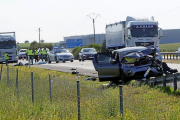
{"points": [[61, 18]]}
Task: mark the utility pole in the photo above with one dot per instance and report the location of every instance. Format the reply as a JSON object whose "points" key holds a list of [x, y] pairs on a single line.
{"points": [[39, 37], [93, 16]]}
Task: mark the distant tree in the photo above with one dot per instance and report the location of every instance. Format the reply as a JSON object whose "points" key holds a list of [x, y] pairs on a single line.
{"points": [[103, 48], [34, 44], [47, 45], [96, 46]]}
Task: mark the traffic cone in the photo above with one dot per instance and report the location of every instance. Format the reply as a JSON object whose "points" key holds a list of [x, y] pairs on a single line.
{"points": [[38, 58], [23, 57]]}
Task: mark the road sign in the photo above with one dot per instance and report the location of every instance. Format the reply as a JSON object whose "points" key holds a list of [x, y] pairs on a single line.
{"points": [[72, 43]]}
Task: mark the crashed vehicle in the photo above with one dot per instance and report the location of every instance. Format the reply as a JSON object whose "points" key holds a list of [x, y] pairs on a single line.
{"points": [[128, 63]]}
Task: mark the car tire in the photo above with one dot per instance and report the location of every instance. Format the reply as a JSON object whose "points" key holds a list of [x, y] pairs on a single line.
{"points": [[82, 59], [71, 60], [56, 60], [64, 61], [49, 61], [79, 60]]}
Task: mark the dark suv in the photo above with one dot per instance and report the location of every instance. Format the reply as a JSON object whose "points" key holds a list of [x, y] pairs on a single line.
{"points": [[87, 54]]}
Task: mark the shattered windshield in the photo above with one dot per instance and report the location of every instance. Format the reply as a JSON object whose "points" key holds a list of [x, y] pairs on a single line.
{"points": [[7, 44]]}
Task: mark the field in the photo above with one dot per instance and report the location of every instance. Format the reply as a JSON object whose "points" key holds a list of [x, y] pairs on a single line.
{"points": [[170, 47], [27, 45], [23, 100]]}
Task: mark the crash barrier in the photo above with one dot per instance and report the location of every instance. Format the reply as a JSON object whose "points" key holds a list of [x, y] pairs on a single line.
{"points": [[170, 55], [163, 80], [75, 98]]}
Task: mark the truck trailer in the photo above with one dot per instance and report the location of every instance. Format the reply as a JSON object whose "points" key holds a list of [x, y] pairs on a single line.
{"points": [[133, 32]]}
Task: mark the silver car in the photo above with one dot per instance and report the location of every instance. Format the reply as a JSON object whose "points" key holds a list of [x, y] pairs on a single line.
{"points": [[60, 55], [127, 63]]}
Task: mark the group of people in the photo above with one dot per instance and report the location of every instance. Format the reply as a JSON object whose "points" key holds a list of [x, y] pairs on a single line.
{"points": [[42, 52]]}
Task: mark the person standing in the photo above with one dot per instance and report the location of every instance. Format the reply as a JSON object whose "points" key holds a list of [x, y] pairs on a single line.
{"points": [[27, 53], [45, 54], [36, 55], [41, 52], [30, 55], [6, 56]]}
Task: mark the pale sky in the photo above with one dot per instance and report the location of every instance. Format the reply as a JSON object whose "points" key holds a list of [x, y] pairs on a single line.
{"points": [[59, 18]]}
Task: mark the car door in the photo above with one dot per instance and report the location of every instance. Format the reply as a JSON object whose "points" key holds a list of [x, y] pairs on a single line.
{"points": [[107, 71]]}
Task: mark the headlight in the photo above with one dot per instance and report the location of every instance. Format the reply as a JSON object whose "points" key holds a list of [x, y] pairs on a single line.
{"points": [[84, 55]]}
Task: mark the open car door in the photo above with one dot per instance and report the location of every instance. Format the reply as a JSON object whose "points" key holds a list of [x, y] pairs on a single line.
{"points": [[107, 71]]}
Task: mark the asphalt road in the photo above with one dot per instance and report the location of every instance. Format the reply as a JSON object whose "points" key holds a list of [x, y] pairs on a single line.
{"points": [[84, 68]]}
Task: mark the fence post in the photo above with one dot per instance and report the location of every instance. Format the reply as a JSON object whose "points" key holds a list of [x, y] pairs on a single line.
{"points": [[175, 82], [121, 100], [17, 83], [1, 71], [8, 75], [50, 88], [164, 80], [32, 87], [78, 96]]}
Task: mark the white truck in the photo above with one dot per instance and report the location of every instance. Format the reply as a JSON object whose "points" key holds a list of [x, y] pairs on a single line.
{"points": [[8, 44], [133, 32]]}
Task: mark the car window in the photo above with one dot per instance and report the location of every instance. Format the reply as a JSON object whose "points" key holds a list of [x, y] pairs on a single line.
{"points": [[102, 58], [22, 51], [62, 51], [89, 50]]}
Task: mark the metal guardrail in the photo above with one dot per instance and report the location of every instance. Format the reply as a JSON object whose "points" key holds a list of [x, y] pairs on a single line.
{"points": [[172, 78], [170, 55]]}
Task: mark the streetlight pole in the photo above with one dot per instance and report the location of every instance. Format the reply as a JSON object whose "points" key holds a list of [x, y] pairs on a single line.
{"points": [[93, 16]]}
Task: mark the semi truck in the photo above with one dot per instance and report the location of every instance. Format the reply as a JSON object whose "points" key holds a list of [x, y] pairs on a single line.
{"points": [[133, 32], [8, 44]]}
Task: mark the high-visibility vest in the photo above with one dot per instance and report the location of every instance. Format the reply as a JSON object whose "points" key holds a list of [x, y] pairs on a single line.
{"points": [[6, 56], [44, 52], [41, 51], [27, 51], [30, 52], [36, 52]]}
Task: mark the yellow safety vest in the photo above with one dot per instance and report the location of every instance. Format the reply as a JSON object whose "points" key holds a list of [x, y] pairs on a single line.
{"points": [[6, 56], [36, 52], [44, 52], [30, 52]]}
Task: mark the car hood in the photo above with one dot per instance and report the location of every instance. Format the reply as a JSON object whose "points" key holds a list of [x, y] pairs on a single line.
{"points": [[63, 54], [139, 54]]}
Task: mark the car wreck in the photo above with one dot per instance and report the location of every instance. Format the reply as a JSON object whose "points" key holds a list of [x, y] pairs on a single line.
{"points": [[139, 63]]}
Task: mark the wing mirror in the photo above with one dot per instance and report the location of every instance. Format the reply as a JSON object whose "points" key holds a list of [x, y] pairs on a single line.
{"points": [[113, 61]]}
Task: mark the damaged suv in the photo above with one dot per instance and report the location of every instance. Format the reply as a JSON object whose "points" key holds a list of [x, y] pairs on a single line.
{"points": [[128, 63]]}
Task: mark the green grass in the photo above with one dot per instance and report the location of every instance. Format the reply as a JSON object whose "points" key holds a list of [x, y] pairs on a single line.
{"points": [[140, 101], [27, 45], [170, 47]]}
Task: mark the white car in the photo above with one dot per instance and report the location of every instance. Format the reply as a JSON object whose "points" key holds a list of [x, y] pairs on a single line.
{"points": [[60, 55]]}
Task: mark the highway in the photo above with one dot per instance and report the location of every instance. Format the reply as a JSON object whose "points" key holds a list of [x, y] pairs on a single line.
{"points": [[84, 68]]}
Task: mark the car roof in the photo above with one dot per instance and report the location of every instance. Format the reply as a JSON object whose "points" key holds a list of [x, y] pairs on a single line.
{"points": [[130, 48]]}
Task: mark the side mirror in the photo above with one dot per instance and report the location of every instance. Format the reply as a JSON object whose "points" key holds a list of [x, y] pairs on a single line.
{"points": [[113, 61], [160, 32]]}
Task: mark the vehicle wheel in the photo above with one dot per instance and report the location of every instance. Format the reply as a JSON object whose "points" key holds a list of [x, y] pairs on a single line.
{"points": [[64, 61], [122, 76], [71, 60], [49, 61], [82, 59], [57, 60], [79, 60]]}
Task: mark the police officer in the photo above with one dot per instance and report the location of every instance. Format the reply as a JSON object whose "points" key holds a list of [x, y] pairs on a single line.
{"points": [[36, 55], [45, 54], [41, 52], [6, 56], [30, 54]]}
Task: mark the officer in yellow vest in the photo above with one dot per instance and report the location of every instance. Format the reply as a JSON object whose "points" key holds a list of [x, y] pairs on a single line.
{"points": [[30, 54], [41, 52], [36, 55], [27, 52], [6, 56], [44, 52]]}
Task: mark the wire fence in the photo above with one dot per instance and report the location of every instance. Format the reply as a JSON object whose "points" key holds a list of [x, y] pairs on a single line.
{"points": [[75, 98]]}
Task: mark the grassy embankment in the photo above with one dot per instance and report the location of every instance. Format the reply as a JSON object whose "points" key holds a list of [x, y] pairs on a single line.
{"points": [[170, 47], [142, 102]]}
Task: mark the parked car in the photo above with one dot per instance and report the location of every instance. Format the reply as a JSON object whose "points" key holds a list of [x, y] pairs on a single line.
{"points": [[22, 53], [127, 63], [60, 55], [87, 53]]}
